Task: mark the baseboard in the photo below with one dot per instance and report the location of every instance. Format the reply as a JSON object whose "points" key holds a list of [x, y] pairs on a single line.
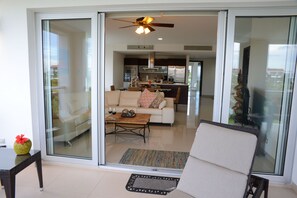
{"points": [[294, 187]]}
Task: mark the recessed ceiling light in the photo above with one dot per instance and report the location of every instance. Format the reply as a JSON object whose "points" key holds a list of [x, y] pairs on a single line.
{"points": [[160, 39]]}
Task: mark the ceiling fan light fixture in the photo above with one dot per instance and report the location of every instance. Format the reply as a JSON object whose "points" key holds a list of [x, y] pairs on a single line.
{"points": [[144, 24], [139, 30], [146, 30]]}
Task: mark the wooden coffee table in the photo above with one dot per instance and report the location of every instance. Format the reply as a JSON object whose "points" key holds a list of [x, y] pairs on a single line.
{"points": [[136, 125]]}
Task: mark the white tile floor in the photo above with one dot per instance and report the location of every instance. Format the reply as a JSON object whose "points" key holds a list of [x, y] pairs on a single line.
{"points": [[179, 137], [65, 181]]}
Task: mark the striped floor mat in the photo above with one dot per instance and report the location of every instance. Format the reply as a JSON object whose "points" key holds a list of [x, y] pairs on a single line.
{"points": [[155, 158]]}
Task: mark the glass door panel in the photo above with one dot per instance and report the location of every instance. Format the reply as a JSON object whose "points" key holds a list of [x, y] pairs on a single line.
{"points": [[263, 70], [67, 87]]}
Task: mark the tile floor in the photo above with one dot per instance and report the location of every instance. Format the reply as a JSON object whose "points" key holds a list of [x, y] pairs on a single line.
{"points": [[65, 181], [178, 137]]}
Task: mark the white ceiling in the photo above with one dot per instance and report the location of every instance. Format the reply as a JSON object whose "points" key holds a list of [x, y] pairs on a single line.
{"points": [[195, 29]]}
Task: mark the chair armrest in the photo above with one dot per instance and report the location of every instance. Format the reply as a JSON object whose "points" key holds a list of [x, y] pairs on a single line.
{"points": [[169, 102]]}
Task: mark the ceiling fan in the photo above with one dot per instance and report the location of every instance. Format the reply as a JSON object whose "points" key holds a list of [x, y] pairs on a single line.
{"points": [[145, 24]]}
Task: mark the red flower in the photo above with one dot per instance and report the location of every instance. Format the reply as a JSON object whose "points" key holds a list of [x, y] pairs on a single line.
{"points": [[20, 139]]}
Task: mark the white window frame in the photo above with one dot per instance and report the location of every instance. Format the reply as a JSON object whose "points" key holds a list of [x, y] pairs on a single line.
{"points": [[233, 13], [219, 71]]}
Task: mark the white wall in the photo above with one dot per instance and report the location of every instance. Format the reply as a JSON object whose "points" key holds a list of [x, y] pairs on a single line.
{"points": [[208, 78], [15, 101], [294, 174], [118, 64]]}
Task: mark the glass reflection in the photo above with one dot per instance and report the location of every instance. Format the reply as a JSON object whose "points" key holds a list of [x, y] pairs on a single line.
{"points": [[67, 86], [263, 72]]}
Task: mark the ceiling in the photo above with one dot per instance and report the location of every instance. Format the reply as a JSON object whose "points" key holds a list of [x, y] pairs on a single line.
{"points": [[195, 29]]}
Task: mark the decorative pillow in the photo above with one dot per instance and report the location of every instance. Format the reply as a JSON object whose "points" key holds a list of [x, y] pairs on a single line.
{"points": [[147, 98], [159, 98], [162, 104]]}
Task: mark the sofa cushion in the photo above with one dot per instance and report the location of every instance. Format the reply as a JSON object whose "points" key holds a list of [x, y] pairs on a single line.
{"points": [[129, 102], [149, 111], [147, 98], [119, 109], [159, 98], [130, 98], [112, 98]]}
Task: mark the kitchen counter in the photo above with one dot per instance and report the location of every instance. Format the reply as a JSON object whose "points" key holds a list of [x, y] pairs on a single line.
{"points": [[173, 90], [164, 83]]}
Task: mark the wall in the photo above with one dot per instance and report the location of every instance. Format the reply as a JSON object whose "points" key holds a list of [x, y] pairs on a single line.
{"points": [[16, 103], [294, 174], [208, 78], [118, 64]]}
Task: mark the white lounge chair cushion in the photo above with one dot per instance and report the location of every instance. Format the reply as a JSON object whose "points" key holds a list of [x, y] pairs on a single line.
{"points": [[202, 179], [178, 194], [220, 146], [219, 163]]}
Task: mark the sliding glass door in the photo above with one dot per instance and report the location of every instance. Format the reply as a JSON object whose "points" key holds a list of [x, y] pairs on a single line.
{"points": [[259, 81], [69, 86]]}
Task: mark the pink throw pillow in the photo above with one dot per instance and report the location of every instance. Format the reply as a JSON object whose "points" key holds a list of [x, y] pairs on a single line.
{"points": [[147, 98]]}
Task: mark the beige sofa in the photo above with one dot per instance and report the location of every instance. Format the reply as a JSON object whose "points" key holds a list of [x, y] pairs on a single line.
{"points": [[130, 100], [74, 116]]}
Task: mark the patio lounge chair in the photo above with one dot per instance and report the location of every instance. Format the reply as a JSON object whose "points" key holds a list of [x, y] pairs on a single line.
{"points": [[220, 163]]}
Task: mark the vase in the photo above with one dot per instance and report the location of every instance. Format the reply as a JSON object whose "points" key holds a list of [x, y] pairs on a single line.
{"points": [[22, 149]]}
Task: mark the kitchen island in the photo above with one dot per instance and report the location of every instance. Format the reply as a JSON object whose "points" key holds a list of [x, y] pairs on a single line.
{"points": [[172, 90]]}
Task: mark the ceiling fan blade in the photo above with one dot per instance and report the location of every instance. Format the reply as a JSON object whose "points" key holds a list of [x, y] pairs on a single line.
{"points": [[139, 19], [151, 29], [148, 19], [123, 20], [128, 26], [169, 25]]}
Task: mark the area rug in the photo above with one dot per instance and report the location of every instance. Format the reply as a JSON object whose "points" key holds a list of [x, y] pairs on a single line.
{"points": [[151, 184], [155, 158]]}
